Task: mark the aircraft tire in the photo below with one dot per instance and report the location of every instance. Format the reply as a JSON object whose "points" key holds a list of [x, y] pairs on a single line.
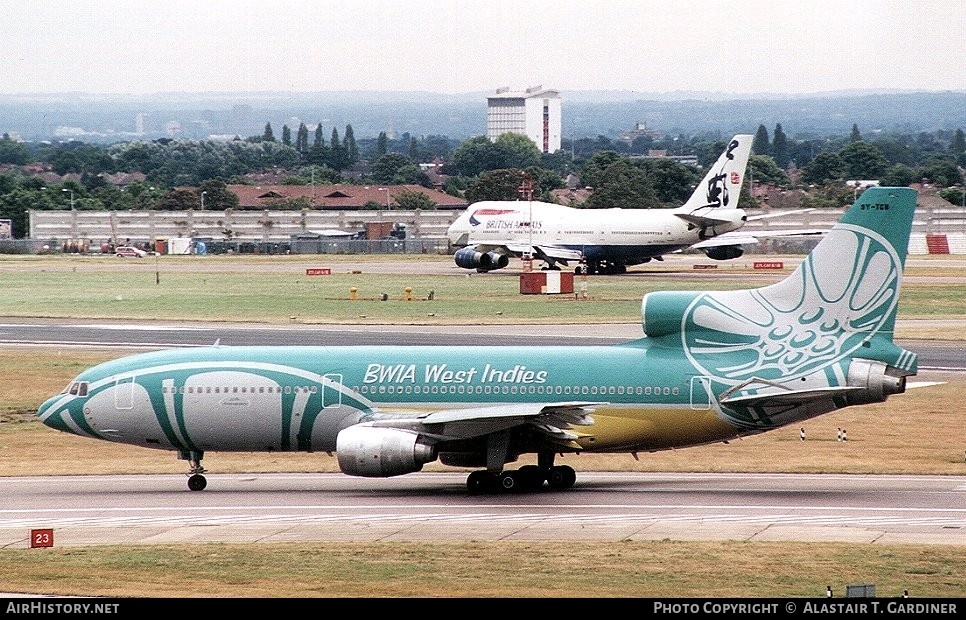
{"points": [[478, 482], [562, 477], [531, 476], [510, 481], [197, 482]]}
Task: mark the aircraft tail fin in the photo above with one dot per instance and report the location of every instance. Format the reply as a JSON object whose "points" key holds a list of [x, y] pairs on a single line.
{"points": [[722, 184], [840, 303], [855, 271]]}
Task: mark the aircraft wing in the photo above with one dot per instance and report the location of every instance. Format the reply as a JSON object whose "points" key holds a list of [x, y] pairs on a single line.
{"points": [[552, 251], [538, 251], [745, 238], [552, 419]]}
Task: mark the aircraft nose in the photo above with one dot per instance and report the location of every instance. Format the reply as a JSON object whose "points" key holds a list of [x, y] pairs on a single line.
{"points": [[49, 410]]}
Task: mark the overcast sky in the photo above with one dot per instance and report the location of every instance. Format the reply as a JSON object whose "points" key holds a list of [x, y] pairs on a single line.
{"points": [[464, 46]]}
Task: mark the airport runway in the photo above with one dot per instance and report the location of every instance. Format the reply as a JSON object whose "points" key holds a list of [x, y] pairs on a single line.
{"points": [[273, 508], [938, 355]]}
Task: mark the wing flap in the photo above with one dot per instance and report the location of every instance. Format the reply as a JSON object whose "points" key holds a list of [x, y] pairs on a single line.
{"points": [[554, 419], [552, 251]]}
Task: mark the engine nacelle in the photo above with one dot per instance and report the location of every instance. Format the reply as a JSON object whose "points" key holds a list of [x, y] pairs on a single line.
{"points": [[381, 452], [877, 380], [471, 258], [724, 252]]}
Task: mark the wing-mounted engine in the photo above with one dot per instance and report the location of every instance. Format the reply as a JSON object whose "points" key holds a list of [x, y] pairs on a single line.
{"points": [[471, 258], [724, 252], [375, 452]]}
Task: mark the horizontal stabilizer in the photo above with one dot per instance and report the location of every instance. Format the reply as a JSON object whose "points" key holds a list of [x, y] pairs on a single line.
{"points": [[788, 397], [703, 221]]}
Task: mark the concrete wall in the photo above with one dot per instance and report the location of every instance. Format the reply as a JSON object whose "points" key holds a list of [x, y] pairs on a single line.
{"points": [[256, 226]]}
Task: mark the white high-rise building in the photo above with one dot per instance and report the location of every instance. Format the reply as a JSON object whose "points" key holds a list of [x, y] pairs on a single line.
{"points": [[534, 113]]}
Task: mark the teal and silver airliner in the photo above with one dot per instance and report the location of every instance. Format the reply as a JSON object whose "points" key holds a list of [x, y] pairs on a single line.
{"points": [[711, 366]]}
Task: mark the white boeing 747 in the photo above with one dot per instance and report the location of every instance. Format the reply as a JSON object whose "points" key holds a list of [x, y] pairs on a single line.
{"points": [[607, 241]]}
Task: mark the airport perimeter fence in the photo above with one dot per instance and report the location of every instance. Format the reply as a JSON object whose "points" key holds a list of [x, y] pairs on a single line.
{"points": [[211, 246]]}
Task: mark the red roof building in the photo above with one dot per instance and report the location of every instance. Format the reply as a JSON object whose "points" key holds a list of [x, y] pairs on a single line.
{"points": [[337, 197]]}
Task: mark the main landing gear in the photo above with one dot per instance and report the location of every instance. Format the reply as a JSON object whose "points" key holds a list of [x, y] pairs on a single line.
{"points": [[196, 481], [527, 478]]}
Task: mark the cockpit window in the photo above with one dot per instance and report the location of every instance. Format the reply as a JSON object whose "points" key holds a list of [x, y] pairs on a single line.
{"points": [[76, 388]]}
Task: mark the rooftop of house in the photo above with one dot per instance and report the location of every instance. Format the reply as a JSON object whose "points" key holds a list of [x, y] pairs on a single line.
{"points": [[339, 196]]}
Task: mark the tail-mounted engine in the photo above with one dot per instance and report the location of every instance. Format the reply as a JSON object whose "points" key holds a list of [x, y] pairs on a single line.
{"points": [[381, 452], [470, 258], [877, 381]]}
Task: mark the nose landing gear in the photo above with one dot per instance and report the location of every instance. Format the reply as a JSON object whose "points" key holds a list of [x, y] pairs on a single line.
{"points": [[196, 481]]}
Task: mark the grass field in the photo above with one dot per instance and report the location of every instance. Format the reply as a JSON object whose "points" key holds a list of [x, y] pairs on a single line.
{"points": [[922, 432], [275, 289]]}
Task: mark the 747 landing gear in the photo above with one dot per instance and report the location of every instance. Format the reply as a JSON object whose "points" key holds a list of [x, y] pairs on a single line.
{"points": [[196, 482]]}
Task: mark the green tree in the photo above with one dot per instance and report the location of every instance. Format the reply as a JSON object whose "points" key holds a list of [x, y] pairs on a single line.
{"points": [[414, 150], [475, 156], [319, 141], [899, 175], [13, 152], [626, 186], [413, 201], [672, 181], [955, 195], [382, 144], [863, 160], [517, 151], [543, 181], [318, 155], [180, 200], [593, 171], [958, 145], [496, 185], [855, 136], [764, 170], [337, 155], [941, 171], [779, 148], [826, 166], [350, 147], [302, 139], [268, 135], [385, 167], [760, 145], [217, 195], [286, 135]]}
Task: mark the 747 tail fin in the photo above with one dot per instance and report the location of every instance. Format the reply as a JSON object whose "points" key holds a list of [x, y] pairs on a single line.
{"points": [[722, 184]]}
